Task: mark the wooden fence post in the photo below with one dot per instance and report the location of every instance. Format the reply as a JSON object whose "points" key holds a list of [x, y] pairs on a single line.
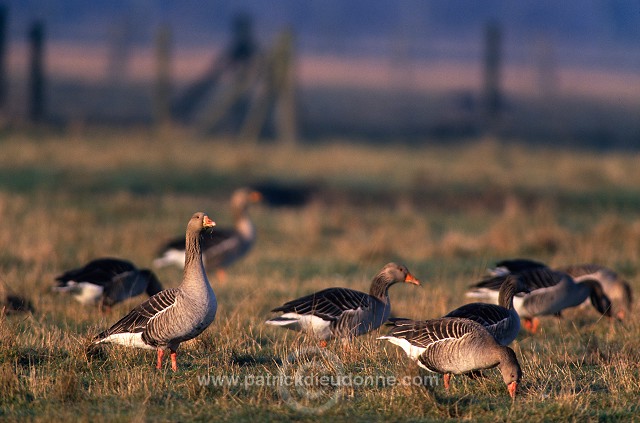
{"points": [[162, 99], [492, 76], [36, 74]]}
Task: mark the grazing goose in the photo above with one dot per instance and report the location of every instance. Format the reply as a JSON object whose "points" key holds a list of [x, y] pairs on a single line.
{"points": [[343, 312], [225, 245], [11, 303], [174, 315], [107, 281], [502, 320], [550, 293], [616, 288], [451, 345]]}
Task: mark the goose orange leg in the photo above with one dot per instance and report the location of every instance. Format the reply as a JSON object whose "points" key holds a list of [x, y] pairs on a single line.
{"points": [[531, 324], [222, 275], [160, 355], [174, 360], [447, 378]]}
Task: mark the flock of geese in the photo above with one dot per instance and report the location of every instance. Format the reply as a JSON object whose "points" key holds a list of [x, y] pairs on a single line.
{"points": [[471, 338]]}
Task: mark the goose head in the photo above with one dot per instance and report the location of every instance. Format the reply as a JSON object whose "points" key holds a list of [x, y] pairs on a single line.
{"points": [[599, 299], [391, 274], [199, 222], [241, 198], [510, 370]]}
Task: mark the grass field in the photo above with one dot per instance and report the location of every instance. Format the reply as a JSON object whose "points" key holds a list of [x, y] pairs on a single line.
{"points": [[446, 212]]}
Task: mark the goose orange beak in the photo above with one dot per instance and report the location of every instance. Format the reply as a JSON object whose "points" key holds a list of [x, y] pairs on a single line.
{"points": [[208, 223], [255, 197], [412, 279], [512, 387]]}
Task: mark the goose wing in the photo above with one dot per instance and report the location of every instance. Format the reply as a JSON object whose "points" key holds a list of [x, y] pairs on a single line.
{"points": [[100, 271], [483, 313], [533, 278], [328, 304], [427, 332], [517, 265], [138, 318]]}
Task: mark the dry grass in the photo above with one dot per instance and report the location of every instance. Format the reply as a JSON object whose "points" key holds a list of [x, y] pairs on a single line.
{"points": [[445, 212]]}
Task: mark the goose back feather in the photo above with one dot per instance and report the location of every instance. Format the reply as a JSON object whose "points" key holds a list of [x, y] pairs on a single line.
{"points": [[501, 320]]}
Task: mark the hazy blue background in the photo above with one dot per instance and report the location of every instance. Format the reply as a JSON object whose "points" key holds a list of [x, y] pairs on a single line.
{"points": [[576, 36]]}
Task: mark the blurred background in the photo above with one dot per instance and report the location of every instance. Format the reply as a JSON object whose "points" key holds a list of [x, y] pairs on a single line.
{"points": [[288, 70]]}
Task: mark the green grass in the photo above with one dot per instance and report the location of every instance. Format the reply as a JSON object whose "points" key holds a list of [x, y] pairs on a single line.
{"points": [[447, 213]]}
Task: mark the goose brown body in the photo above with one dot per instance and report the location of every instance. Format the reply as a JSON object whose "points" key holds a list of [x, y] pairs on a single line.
{"points": [[343, 312], [174, 315], [451, 345]]}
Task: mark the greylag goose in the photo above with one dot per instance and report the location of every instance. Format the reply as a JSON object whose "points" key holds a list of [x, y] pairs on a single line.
{"points": [[224, 246], [107, 281], [451, 345], [174, 315], [343, 312], [11, 303], [501, 320], [616, 288], [550, 293]]}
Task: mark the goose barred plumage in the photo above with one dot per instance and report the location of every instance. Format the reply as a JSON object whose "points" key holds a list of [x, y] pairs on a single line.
{"points": [[550, 292], [451, 345], [107, 281], [343, 312], [174, 315], [501, 320], [224, 246]]}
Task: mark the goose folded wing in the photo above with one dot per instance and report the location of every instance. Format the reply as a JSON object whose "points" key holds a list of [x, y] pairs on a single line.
{"points": [[534, 278], [427, 332], [99, 271], [328, 304], [519, 265], [139, 317], [485, 314]]}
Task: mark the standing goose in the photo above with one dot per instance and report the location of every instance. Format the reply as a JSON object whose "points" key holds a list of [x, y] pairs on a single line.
{"points": [[343, 312], [107, 281], [550, 293], [451, 345], [174, 315], [502, 320], [616, 288], [225, 245]]}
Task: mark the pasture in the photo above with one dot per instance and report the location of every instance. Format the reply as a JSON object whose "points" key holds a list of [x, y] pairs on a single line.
{"points": [[447, 212]]}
